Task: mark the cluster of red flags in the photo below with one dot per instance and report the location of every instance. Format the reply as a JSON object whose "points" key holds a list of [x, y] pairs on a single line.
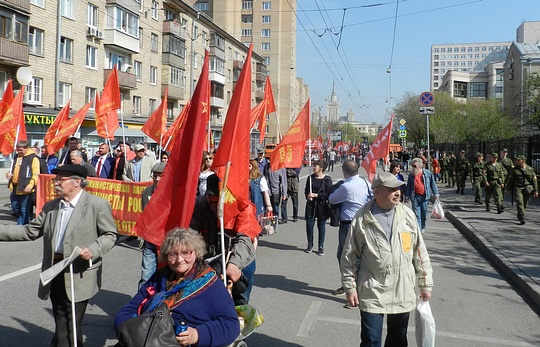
{"points": [[12, 128]]}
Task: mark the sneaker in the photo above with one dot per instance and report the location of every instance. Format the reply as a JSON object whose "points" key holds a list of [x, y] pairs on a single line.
{"points": [[295, 220], [339, 292], [347, 306], [283, 221], [320, 252], [308, 250]]}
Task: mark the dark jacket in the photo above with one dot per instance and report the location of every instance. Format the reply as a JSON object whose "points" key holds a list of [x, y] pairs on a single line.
{"points": [[318, 207]]}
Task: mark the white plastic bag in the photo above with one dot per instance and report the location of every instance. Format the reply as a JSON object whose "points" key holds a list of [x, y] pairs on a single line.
{"points": [[438, 212], [425, 325]]}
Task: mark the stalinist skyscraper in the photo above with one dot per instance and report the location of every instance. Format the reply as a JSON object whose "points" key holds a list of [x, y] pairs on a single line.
{"points": [[333, 106]]}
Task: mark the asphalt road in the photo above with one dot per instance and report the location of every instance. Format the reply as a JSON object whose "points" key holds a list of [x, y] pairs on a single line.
{"points": [[472, 303]]}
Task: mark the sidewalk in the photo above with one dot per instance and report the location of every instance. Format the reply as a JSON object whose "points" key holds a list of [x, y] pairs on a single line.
{"points": [[513, 248]]}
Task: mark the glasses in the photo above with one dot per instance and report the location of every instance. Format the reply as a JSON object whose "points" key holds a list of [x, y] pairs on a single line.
{"points": [[208, 158], [415, 166], [184, 254], [61, 179]]}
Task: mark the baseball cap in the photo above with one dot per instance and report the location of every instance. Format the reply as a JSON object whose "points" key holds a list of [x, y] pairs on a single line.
{"points": [[138, 147], [386, 179]]}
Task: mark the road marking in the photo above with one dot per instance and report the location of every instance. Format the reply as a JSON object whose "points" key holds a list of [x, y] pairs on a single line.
{"points": [[20, 272], [311, 317]]}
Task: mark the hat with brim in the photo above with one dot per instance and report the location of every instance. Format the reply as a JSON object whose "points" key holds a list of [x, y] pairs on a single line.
{"points": [[158, 168], [494, 155], [521, 157], [138, 147], [479, 154], [71, 170], [386, 179]]}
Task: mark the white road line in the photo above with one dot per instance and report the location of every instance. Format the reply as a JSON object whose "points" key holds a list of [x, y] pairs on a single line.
{"points": [[20, 272], [311, 317]]}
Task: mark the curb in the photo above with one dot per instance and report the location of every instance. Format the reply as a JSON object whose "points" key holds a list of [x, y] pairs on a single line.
{"points": [[525, 283]]}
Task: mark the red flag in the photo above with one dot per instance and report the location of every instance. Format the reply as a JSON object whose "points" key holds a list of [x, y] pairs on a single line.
{"points": [[290, 151], [106, 123], [173, 202], [379, 149], [69, 128], [265, 107], [58, 123], [7, 99], [172, 133], [156, 125], [110, 98], [13, 122], [239, 212]]}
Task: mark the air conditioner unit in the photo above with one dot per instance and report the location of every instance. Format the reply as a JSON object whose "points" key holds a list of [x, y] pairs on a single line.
{"points": [[100, 35], [91, 31]]}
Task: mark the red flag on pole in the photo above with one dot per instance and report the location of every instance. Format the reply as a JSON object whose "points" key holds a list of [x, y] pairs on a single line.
{"points": [[67, 129], [239, 212], [7, 99], [106, 123], [265, 107], [156, 125], [58, 123], [106, 106], [290, 151], [13, 122], [379, 149], [173, 202], [172, 133]]}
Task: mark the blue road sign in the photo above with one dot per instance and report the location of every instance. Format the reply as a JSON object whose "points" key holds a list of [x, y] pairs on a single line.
{"points": [[402, 127], [426, 99]]}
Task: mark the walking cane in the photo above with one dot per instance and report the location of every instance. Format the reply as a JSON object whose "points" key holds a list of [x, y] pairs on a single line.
{"points": [[73, 318]]}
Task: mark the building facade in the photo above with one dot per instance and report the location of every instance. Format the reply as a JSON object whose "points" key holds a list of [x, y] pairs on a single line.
{"points": [[463, 85]]}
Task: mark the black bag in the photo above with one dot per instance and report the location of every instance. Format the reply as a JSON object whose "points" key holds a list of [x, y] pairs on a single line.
{"points": [[335, 214], [150, 329]]}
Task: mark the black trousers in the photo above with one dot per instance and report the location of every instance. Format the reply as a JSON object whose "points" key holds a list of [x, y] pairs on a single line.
{"points": [[63, 333]]}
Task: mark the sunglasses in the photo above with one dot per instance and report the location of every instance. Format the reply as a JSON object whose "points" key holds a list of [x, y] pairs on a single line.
{"points": [[208, 158], [415, 166]]}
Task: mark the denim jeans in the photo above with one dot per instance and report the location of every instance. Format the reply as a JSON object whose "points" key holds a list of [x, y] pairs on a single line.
{"points": [[22, 206], [249, 274], [372, 326], [321, 225], [148, 262], [420, 208], [342, 235]]}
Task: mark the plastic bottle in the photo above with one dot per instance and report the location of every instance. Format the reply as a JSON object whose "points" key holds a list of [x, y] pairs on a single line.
{"points": [[180, 327]]}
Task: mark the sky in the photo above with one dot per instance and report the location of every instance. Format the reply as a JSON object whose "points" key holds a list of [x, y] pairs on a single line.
{"points": [[377, 51]]}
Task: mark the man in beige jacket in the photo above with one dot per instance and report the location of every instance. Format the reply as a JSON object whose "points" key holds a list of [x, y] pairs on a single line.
{"points": [[384, 256]]}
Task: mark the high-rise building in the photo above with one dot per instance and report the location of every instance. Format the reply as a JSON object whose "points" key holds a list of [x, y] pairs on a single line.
{"points": [[270, 26]]}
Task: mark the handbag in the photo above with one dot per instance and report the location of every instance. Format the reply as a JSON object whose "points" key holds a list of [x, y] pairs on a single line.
{"points": [[269, 224], [149, 329], [425, 325]]}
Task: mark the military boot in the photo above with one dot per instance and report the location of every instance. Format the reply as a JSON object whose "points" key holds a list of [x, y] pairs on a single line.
{"points": [[478, 201], [521, 219], [458, 190], [462, 191], [499, 209], [487, 207]]}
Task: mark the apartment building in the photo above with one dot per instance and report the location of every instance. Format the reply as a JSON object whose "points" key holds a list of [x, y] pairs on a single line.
{"points": [[71, 48], [486, 84], [270, 26]]}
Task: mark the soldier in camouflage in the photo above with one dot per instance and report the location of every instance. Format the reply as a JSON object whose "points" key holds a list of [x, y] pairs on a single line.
{"points": [[495, 183], [463, 167], [451, 170], [522, 181], [478, 177], [506, 162], [444, 163]]}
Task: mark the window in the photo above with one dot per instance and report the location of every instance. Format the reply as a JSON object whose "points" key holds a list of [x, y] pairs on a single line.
{"points": [[153, 75], [435, 50], [478, 90], [462, 63], [217, 65], [477, 49], [460, 90], [125, 21], [152, 105], [265, 33], [266, 19], [266, 5], [436, 56], [21, 32], [202, 6], [93, 16], [435, 85], [67, 8], [247, 5], [155, 10], [91, 53], [469, 63], [33, 91], [116, 59], [136, 104], [66, 50], [247, 32], [490, 48], [456, 63], [90, 95], [177, 77], [435, 78], [456, 49], [35, 41], [267, 60], [443, 50], [469, 49], [436, 63], [64, 93], [217, 40], [247, 18], [140, 37], [40, 3], [456, 56], [476, 56], [170, 110], [462, 56], [483, 48], [137, 66], [204, 38], [195, 60], [153, 43], [442, 63], [265, 46], [435, 71], [462, 49], [173, 45]]}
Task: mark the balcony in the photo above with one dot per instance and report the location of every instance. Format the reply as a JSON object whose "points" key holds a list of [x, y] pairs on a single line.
{"points": [[260, 76], [171, 27], [13, 52], [174, 92], [217, 77], [259, 94], [217, 102], [216, 52], [23, 5], [238, 64], [130, 5], [173, 60], [126, 80], [120, 39]]}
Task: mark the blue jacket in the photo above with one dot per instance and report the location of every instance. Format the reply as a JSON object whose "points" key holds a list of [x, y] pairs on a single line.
{"points": [[429, 184], [107, 169]]}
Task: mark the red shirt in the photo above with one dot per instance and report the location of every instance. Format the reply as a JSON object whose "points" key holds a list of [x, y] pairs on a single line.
{"points": [[419, 188]]}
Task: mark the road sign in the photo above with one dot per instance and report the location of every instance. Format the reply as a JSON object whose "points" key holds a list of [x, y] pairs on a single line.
{"points": [[402, 127], [427, 110], [426, 99], [402, 121], [403, 133]]}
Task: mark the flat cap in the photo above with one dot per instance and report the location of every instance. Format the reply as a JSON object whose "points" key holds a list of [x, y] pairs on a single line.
{"points": [[494, 155], [386, 179], [158, 168], [521, 157], [71, 170]]}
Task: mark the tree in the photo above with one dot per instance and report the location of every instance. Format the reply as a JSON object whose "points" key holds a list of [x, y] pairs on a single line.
{"points": [[532, 101]]}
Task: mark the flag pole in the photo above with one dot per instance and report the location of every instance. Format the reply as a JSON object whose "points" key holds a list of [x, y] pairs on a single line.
{"points": [[220, 216], [123, 135]]}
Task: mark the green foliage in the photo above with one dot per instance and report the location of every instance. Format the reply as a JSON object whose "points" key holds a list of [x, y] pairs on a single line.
{"points": [[456, 121], [532, 100]]}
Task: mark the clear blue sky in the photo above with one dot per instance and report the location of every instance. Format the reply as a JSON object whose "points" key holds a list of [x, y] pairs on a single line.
{"points": [[365, 32]]}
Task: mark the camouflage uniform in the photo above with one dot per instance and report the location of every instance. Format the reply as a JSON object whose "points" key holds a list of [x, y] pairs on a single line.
{"points": [[478, 178], [507, 164], [463, 166], [495, 175], [522, 181], [451, 170], [444, 162]]}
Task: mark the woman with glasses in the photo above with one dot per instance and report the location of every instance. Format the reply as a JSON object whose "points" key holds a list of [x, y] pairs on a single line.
{"points": [[192, 291], [207, 160]]}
